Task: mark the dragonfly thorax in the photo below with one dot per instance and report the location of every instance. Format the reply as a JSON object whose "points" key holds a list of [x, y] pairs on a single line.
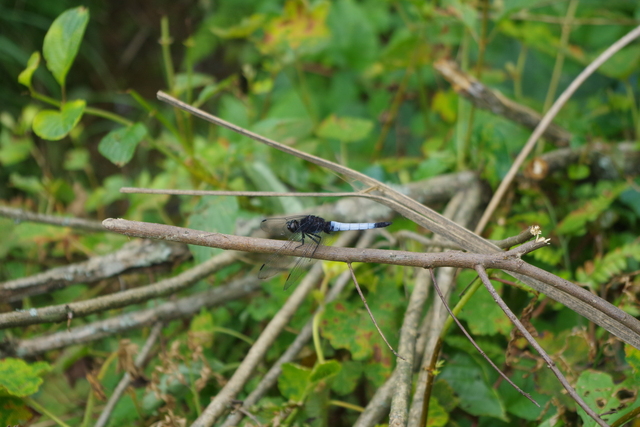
{"points": [[309, 225]]}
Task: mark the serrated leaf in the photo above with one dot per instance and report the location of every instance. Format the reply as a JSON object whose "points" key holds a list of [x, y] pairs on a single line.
{"points": [[344, 129], [575, 223], [601, 270], [19, 379], [347, 379], [62, 41], [294, 382], [119, 145], [32, 65], [55, 125]]}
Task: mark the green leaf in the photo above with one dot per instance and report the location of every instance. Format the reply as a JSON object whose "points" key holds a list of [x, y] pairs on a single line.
{"points": [[55, 125], [246, 27], [347, 379], [19, 379], [14, 149], [13, 412], [602, 269], [62, 41], [575, 223], [30, 184], [32, 65], [598, 391], [294, 382], [632, 356], [438, 416], [344, 129], [477, 395], [215, 214], [264, 179], [201, 329], [77, 159], [325, 370], [119, 145], [485, 316]]}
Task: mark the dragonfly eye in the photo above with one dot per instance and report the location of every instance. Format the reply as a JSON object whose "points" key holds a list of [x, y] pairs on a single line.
{"points": [[293, 225]]}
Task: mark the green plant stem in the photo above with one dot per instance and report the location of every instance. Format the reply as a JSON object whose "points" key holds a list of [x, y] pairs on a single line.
{"points": [[517, 83], [557, 68], [235, 334], [346, 405], [635, 117], [29, 401], [89, 110], [316, 335]]}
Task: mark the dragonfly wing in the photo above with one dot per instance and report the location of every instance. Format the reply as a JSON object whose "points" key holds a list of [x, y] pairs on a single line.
{"points": [[304, 262]]}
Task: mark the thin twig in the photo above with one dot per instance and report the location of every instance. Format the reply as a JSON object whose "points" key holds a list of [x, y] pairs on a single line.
{"points": [[546, 121], [550, 363], [77, 223], [373, 319], [477, 347], [126, 378]]}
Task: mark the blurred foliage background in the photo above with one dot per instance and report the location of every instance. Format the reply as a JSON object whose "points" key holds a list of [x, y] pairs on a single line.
{"points": [[350, 81]]}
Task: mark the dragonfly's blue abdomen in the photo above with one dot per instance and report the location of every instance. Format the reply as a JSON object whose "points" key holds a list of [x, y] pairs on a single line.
{"points": [[341, 226]]}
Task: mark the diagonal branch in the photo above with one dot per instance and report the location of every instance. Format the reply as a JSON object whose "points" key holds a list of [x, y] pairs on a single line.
{"points": [[550, 363]]}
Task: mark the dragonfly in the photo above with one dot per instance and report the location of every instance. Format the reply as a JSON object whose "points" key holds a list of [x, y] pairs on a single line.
{"points": [[305, 233]]}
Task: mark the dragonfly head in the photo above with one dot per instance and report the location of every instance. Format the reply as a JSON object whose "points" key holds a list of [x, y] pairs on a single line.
{"points": [[293, 225]]}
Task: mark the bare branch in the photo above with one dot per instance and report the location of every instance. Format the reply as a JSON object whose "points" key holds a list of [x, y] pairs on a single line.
{"points": [[136, 254], [605, 314], [185, 307], [76, 223], [59, 313]]}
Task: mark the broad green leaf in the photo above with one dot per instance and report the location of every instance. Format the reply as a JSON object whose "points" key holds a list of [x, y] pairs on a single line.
{"points": [[32, 65], [13, 412], [599, 391], [264, 179], [294, 382], [17, 378], [55, 125], [324, 370], [348, 377], [438, 416], [14, 149], [215, 214], [119, 145], [62, 41], [484, 316], [476, 392], [77, 159], [300, 27], [345, 129], [445, 103]]}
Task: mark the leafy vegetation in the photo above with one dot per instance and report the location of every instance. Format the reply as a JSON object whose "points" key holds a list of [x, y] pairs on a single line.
{"points": [[350, 81]]}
